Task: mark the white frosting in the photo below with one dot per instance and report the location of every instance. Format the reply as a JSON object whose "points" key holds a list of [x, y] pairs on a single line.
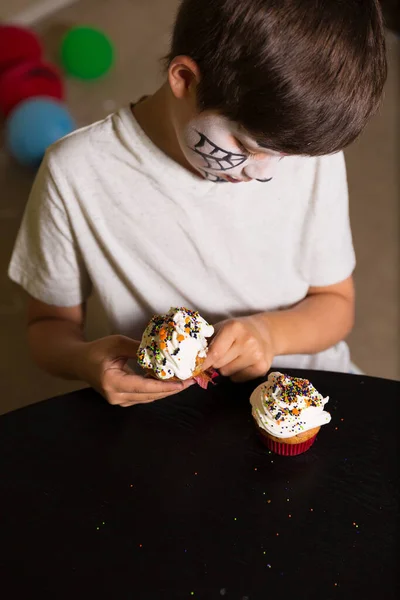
{"points": [[285, 406], [172, 343]]}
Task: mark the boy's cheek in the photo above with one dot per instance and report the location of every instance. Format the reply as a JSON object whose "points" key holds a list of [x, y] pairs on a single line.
{"points": [[210, 135], [209, 151], [189, 141], [262, 169]]}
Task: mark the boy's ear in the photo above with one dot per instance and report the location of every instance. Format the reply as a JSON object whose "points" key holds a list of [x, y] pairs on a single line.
{"points": [[183, 76]]}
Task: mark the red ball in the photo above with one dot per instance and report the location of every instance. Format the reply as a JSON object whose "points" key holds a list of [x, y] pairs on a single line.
{"points": [[28, 80], [16, 45]]}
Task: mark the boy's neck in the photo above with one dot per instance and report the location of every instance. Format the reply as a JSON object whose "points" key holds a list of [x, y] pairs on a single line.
{"points": [[154, 116]]}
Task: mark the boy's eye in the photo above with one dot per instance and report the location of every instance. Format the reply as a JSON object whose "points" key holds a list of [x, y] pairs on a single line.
{"points": [[246, 151]]}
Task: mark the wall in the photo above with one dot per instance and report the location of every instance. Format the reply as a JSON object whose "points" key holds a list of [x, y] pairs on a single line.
{"points": [[26, 12]]}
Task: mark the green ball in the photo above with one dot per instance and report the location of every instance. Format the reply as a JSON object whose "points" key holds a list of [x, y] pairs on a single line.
{"points": [[86, 53]]}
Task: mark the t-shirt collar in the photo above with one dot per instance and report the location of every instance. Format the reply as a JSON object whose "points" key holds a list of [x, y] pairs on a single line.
{"points": [[160, 167]]}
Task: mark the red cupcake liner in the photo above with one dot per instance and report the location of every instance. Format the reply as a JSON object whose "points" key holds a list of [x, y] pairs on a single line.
{"points": [[205, 378], [288, 449]]}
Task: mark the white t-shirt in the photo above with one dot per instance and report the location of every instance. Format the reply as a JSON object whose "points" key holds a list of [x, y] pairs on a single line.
{"points": [[109, 212]]}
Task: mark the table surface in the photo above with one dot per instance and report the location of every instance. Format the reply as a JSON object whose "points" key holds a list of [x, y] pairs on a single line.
{"points": [[179, 499]]}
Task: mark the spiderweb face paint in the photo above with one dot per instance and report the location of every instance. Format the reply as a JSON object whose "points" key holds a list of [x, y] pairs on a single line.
{"points": [[210, 144], [212, 177], [216, 158]]}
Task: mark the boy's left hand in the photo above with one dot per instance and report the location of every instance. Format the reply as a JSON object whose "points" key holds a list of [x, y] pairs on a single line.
{"points": [[242, 348]]}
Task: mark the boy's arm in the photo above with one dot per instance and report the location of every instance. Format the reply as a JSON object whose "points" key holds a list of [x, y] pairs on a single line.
{"points": [[58, 346], [244, 348], [321, 320], [55, 337]]}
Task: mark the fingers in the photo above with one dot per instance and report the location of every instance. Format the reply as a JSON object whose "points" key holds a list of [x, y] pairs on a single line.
{"points": [[124, 347], [126, 400], [232, 355], [235, 366], [119, 381], [221, 348], [248, 374], [245, 368], [126, 389]]}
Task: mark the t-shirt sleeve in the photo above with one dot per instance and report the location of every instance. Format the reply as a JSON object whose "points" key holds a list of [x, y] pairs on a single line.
{"points": [[46, 259], [330, 256]]}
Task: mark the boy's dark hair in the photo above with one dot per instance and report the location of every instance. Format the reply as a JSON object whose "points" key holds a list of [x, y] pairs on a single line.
{"points": [[301, 76]]}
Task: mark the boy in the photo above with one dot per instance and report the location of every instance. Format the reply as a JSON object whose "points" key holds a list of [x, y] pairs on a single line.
{"points": [[224, 192]]}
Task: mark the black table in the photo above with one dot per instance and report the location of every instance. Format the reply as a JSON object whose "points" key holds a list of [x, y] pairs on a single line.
{"points": [[180, 500]]}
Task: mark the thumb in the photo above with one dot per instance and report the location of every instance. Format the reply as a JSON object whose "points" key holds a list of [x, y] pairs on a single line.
{"points": [[213, 353], [219, 347], [123, 348]]}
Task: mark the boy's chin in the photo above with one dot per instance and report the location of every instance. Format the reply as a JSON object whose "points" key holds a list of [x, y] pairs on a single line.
{"points": [[209, 176]]}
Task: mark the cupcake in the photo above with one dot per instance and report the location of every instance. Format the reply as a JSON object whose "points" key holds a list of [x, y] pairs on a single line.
{"points": [[174, 347], [288, 412]]}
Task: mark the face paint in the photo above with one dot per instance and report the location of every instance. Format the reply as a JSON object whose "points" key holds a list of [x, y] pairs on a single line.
{"points": [[211, 145], [216, 158]]}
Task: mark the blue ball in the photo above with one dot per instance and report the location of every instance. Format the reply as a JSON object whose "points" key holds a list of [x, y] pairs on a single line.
{"points": [[33, 126]]}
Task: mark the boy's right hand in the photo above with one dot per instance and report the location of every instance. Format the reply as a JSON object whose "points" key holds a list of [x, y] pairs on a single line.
{"points": [[57, 345], [103, 364]]}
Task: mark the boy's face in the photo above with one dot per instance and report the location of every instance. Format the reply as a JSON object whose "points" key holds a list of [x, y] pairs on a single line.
{"points": [[221, 151]]}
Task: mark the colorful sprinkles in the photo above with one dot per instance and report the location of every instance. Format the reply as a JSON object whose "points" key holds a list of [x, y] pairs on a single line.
{"points": [[287, 398], [161, 334]]}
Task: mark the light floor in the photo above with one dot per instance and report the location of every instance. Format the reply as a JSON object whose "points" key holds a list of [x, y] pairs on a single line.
{"points": [[141, 33]]}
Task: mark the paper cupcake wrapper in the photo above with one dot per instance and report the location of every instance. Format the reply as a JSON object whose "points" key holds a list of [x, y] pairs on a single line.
{"points": [[288, 449], [206, 377], [202, 379]]}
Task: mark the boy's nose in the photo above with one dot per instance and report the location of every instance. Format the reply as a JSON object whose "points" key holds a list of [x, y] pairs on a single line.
{"points": [[262, 169]]}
